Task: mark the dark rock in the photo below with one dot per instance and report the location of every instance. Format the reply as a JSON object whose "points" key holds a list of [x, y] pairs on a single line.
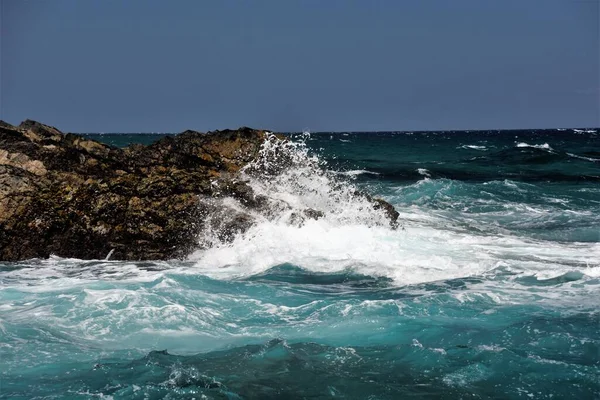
{"points": [[313, 214], [63, 194], [380, 204], [66, 195], [298, 218], [388, 209]]}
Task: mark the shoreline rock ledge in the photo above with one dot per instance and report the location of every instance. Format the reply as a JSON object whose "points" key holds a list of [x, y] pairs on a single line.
{"points": [[65, 195]]}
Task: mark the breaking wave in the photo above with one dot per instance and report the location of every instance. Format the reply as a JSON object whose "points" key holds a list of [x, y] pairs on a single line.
{"points": [[449, 229]]}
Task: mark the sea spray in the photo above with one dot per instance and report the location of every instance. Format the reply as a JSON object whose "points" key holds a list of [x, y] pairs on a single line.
{"points": [[295, 186]]}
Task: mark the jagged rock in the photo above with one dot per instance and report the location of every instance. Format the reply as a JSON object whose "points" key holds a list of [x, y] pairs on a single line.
{"points": [[66, 195], [4, 124], [389, 210]]}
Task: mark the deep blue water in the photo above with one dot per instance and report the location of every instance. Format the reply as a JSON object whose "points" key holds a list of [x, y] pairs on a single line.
{"points": [[489, 289]]}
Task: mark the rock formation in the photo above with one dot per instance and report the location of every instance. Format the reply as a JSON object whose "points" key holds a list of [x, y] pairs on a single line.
{"points": [[65, 195]]}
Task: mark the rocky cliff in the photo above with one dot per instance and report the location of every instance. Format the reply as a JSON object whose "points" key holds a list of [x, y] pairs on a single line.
{"points": [[65, 195]]}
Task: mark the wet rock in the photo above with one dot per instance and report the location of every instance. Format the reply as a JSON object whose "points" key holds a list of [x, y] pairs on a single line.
{"points": [[299, 218], [388, 209], [313, 214]]}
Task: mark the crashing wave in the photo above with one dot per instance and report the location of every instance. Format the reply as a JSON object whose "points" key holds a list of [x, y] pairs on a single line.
{"points": [[293, 186]]}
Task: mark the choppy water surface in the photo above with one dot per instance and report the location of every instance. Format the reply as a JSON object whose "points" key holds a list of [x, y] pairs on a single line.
{"points": [[489, 289]]}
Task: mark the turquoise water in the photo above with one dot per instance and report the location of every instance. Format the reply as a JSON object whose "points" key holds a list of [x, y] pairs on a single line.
{"points": [[489, 289]]}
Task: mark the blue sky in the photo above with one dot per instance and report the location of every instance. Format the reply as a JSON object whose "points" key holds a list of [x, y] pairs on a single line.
{"points": [[165, 66]]}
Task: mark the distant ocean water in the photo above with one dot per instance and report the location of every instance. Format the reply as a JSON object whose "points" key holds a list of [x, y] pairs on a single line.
{"points": [[489, 289]]}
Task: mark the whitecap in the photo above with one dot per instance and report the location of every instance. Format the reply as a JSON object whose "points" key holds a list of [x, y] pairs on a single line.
{"points": [[583, 158], [424, 172], [544, 146], [356, 172], [472, 147]]}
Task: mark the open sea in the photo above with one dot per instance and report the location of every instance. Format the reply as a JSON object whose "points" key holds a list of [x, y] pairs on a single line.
{"points": [[489, 289]]}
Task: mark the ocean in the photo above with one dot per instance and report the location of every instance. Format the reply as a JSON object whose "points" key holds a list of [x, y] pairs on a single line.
{"points": [[489, 288]]}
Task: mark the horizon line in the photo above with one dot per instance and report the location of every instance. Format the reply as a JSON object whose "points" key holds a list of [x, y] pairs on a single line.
{"points": [[345, 131], [316, 131]]}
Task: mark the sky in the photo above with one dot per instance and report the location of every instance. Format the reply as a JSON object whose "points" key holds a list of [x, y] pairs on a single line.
{"points": [[167, 66]]}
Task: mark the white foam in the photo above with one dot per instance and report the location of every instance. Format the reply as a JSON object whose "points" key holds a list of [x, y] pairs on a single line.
{"points": [[424, 172], [413, 255], [356, 172], [583, 158], [593, 272], [472, 147], [544, 146], [60, 274]]}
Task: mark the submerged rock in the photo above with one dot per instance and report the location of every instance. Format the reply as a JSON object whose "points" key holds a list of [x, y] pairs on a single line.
{"points": [[65, 195]]}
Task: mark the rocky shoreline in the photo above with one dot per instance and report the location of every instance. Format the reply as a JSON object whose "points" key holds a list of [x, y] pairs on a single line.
{"points": [[64, 195]]}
